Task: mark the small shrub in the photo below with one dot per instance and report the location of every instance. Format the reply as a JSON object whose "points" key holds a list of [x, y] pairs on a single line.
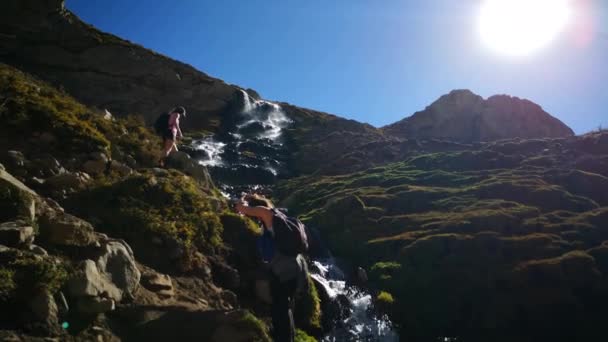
{"points": [[251, 323], [385, 298], [302, 336]]}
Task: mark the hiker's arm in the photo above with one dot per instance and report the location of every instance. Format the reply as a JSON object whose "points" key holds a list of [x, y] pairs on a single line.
{"points": [[179, 131], [260, 212]]}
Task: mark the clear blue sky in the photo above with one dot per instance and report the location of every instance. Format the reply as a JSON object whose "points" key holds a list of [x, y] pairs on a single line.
{"points": [[372, 61]]}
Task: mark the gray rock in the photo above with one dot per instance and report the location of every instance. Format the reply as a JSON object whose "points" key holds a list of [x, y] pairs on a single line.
{"points": [[159, 283], [130, 161], [45, 166], [15, 234], [47, 138], [64, 229], [99, 156], [95, 305], [120, 168], [183, 162], [68, 181], [89, 282], [15, 159], [118, 262], [44, 308], [38, 250], [94, 167], [27, 210]]}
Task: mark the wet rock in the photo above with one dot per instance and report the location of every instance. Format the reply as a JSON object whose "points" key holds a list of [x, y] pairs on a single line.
{"points": [[362, 275], [15, 234], [183, 162]]}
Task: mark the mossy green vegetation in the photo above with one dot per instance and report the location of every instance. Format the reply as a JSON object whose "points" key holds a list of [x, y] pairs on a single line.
{"points": [[23, 274], [37, 118], [302, 336], [259, 330], [475, 242], [385, 298], [170, 206], [308, 309], [15, 203]]}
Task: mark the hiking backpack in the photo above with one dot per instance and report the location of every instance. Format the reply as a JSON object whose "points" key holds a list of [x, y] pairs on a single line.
{"points": [[289, 234], [161, 125]]}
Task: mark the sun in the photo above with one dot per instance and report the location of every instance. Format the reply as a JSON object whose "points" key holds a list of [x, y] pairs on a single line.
{"points": [[521, 27]]}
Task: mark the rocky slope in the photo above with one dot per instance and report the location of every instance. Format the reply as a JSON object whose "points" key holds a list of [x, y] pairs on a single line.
{"points": [[463, 116], [503, 241], [123, 251]]}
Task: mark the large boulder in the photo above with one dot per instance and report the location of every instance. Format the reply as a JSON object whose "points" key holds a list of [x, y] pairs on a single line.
{"points": [[17, 201], [182, 161], [89, 281], [60, 228], [118, 262], [14, 234]]}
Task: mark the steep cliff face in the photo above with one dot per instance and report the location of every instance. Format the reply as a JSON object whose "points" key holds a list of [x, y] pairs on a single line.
{"points": [[103, 70], [464, 116]]}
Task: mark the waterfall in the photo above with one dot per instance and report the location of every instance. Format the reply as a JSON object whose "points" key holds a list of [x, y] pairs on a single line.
{"points": [[361, 322], [249, 158]]}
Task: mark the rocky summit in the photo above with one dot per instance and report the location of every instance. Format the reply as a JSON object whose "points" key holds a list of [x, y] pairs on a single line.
{"points": [[472, 220], [464, 116]]}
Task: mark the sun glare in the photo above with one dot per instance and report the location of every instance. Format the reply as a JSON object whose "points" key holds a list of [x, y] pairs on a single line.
{"points": [[520, 27]]}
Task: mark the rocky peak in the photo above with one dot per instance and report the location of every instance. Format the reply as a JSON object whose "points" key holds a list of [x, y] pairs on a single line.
{"points": [[462, 115]]}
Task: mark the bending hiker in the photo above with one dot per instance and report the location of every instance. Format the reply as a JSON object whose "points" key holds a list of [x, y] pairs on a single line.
{"points": [[282, 244], [167, 126]]}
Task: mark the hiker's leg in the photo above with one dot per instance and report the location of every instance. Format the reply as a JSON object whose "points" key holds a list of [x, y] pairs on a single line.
{"points": [[168, 147], [290, 289], [282, 320]]}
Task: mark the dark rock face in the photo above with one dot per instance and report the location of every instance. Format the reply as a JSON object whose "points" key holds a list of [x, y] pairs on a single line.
{"points": [[103, 70], [464, 116]]}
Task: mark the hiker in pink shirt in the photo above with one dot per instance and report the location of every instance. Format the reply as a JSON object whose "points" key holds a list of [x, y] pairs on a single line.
{"points": [[172, 133]]}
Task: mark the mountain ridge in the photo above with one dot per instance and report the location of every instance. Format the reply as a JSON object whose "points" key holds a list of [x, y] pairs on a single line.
{"points": [[462, 115]]}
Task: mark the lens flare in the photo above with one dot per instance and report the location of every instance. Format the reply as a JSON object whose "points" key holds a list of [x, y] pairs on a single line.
{"points": [[520, 27]]}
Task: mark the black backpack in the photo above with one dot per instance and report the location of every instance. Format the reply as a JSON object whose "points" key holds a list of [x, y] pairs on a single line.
{"points": [[289, 234], [161, 125]]}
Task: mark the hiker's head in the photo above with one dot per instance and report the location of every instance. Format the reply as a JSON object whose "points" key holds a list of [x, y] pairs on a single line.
{"points": [[256, 200], [180, 110]]}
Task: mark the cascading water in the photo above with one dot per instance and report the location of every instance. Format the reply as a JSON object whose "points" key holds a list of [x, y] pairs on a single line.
{"points": [[249, 158], [358, 321]]}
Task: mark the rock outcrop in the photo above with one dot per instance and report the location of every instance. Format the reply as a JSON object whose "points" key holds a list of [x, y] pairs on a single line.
{"points": [[103, 70], [464, 116]]}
